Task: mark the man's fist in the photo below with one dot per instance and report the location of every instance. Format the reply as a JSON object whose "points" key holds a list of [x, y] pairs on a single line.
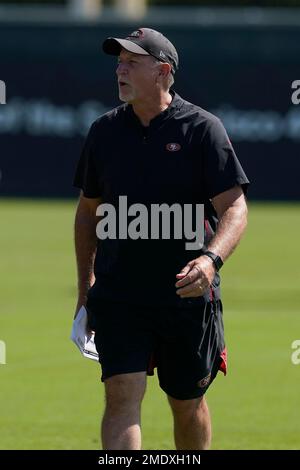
{"points": [[196, 277]]}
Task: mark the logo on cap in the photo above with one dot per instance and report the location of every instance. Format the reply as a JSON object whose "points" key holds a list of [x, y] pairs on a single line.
{"points": [[173, 147], [139, 33]]}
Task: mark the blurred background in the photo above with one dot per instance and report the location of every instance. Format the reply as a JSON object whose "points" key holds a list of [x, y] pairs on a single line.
{"points": [[238, 59]]}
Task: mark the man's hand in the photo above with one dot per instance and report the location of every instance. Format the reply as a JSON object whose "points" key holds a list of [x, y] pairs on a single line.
{"points": [[196, 277], [82, 302]]}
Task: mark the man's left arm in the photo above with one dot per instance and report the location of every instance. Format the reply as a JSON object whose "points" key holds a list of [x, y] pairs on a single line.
{"points": [[195, 278]]}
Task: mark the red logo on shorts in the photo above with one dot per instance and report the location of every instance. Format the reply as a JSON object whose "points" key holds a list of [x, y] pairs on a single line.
{"points": [[173, 147], [204, 382]]}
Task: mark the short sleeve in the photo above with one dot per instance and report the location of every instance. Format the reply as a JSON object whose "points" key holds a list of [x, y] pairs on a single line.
{"points": [[86, 176], [222, 169]]}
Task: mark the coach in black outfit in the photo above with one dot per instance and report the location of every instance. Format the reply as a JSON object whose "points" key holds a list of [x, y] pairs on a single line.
{"points": [[151, 301]]}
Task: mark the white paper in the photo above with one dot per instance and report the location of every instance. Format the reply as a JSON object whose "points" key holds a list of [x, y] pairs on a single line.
{"points": [[84, 342]]}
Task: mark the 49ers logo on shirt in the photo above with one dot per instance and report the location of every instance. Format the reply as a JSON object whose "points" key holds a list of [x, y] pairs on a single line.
{"points": [[173, 147]]}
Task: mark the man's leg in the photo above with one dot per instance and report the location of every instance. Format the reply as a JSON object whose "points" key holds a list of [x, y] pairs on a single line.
{"points": [[192, 426], [120, 428]]}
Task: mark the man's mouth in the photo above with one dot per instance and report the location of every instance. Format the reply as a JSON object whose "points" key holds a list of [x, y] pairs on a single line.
{"points": [[122, 84]]}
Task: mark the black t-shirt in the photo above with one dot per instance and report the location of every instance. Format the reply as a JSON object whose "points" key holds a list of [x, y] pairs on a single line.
{"points": [[183, 157]]}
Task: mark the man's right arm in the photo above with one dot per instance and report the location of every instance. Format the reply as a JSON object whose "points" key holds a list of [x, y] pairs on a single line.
{"points": [[85, 245]]}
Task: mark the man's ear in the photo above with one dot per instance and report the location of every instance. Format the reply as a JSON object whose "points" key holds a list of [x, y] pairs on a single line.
{"points": [[165, 69]]}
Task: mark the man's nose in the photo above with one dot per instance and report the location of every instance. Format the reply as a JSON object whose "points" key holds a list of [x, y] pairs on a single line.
{"points": [[121, 69]]}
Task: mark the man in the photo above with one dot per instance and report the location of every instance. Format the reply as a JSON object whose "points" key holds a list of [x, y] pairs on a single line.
{"points": [[152, 302]]}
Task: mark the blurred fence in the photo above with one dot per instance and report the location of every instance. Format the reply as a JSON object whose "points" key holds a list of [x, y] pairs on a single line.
{"points": [[58, 81]]}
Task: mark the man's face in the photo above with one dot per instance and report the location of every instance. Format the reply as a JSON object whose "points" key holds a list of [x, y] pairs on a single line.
{"points": [[136, 76]]}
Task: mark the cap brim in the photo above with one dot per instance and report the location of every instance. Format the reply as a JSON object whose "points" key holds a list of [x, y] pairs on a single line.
{"points": [[113, 46]]}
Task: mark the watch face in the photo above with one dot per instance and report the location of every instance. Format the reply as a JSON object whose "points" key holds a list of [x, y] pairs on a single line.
{"points": [[219, 262]]}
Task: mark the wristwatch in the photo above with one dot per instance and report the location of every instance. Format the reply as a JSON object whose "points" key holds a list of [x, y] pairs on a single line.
{"points": [[217, 260]]}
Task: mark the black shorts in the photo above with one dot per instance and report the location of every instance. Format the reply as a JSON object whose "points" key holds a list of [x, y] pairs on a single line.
{"points": [[186, 344]]}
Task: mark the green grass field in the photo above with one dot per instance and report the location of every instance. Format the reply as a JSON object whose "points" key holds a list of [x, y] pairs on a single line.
{"points": [[51, 398]]}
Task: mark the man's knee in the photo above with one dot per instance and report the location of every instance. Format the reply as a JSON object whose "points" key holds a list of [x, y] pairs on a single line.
{"points": [[125, 390], [186, 407]]}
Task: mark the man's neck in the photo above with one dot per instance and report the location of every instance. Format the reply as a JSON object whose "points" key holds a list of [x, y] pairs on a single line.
{"points": [[148, 110]]}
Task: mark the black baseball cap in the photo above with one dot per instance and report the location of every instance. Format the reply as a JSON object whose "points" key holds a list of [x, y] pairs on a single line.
{"points": [[144, 41]]}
